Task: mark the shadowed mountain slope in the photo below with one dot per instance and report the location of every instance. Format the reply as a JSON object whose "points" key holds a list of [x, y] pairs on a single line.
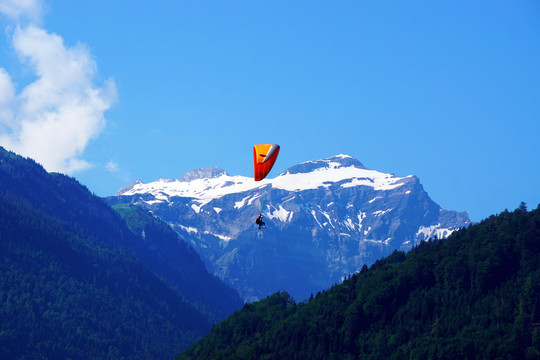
{"points": [[77, 283]]}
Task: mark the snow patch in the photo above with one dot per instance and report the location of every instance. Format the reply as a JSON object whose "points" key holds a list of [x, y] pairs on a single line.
{"points": [[329, 219], [315, 217], [361, 217], [189, 229], [196, 208], [281, 214], [221, 237], [375, 198], [152, 202], [336, 172], [374, 241], [349, 224], [432, 231], [241, 203], [253, 198], [201, 189]]}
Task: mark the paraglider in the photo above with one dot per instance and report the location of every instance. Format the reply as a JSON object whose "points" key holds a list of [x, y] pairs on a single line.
{"points": [[264, 157], [260, 222]]}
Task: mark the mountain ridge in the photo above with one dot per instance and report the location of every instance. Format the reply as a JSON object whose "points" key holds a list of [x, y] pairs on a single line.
{"points": [[341, 160], [330, 216], [202, 173]]}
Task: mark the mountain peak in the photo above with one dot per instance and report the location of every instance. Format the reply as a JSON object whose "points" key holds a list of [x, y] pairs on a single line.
{"points": [[128, 187], [337, 161], [207, 173], [345, 161]]}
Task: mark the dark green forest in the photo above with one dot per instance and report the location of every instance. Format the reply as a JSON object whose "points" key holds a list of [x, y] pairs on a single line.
{"points": [[77, 283], [474, 295], [64, 297], [179, 264]]}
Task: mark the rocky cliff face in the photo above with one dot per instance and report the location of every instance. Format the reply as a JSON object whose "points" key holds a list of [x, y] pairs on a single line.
{"points": [[324, 220]]}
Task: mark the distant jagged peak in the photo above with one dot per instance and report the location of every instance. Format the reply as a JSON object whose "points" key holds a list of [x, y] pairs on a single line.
{"points": [[206, 173], [337, 161], [345, 161], [128, 187]]}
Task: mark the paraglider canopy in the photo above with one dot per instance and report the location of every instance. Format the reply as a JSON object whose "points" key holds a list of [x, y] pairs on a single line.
{"points": [[264, 157]]}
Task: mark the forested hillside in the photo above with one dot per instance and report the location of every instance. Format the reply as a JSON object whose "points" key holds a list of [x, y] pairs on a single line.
{"points": [[179, 264], [63, 296], [76, 283], [474, 295]]}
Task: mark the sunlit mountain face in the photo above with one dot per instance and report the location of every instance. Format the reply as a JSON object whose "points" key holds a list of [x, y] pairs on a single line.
{"points": [[324, 220]]}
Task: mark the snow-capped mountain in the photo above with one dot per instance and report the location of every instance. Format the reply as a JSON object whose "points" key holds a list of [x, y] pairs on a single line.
{"points": [[324, 220]]}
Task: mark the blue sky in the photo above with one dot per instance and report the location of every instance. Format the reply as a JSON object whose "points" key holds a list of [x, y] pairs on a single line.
{"points": [[447, 91]]}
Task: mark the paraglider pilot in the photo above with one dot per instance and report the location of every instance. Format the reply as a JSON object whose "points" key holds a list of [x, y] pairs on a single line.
{"points": [[260, 222]]}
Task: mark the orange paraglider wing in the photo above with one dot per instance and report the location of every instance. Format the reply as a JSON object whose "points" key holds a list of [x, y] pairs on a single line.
{"points": [[264, 157]]}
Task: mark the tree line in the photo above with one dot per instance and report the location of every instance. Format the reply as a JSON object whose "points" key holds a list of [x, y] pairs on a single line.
{"points": [[474, 295]]}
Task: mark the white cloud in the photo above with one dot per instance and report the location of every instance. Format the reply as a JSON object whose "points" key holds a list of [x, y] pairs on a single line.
{"points": [[112, 166], [22, 10], [53, 118], [7, 96]]}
